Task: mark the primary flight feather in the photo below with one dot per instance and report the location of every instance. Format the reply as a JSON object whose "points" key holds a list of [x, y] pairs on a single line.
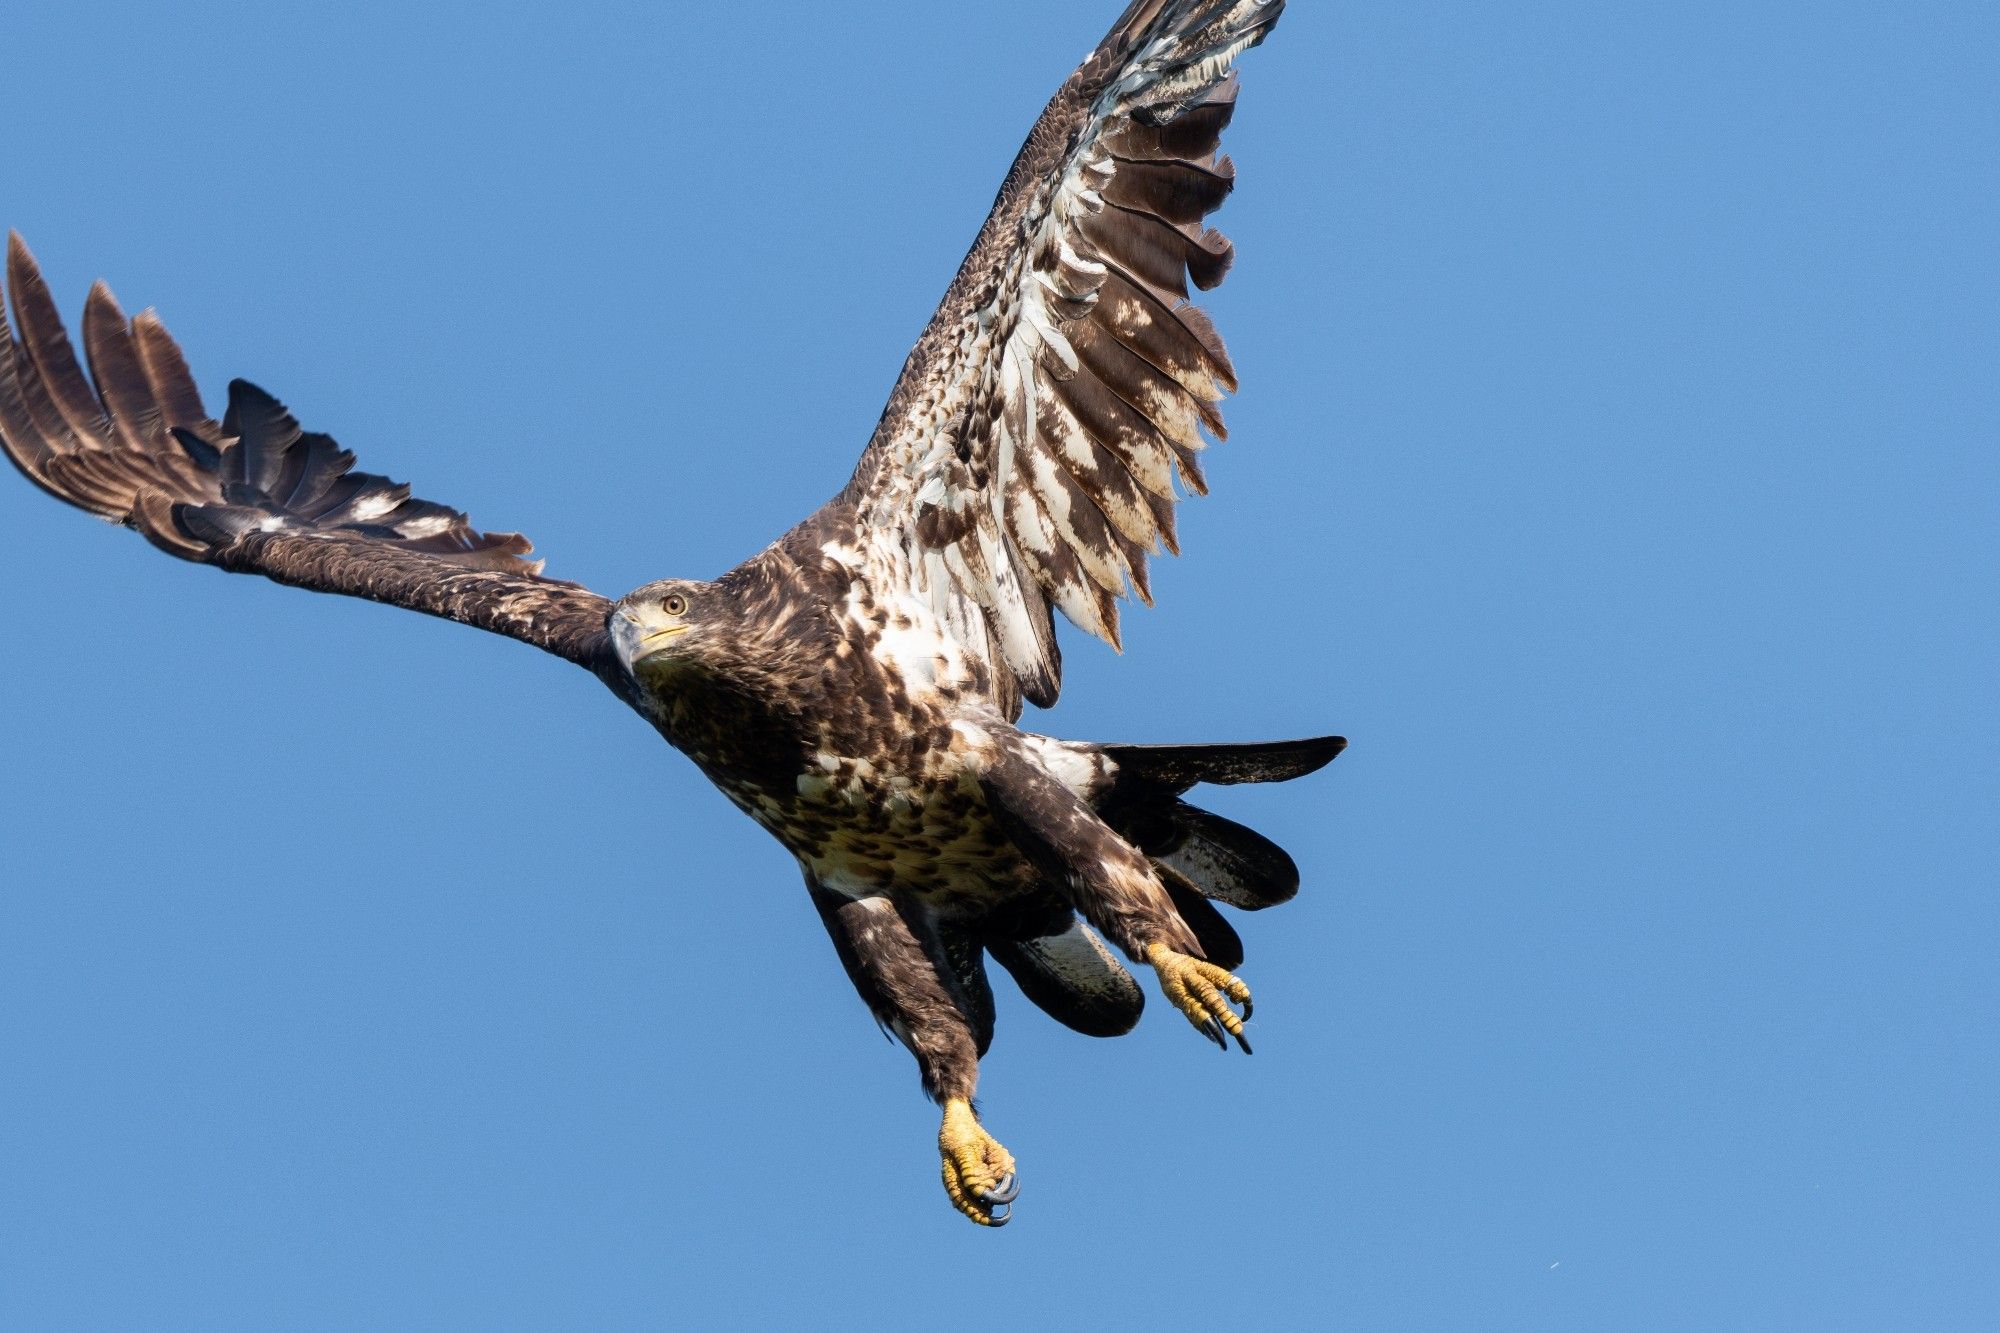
{"points": [[854, 688]]}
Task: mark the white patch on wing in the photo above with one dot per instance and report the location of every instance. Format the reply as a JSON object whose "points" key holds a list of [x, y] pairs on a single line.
{"points": [[425, 527], [1078, 767], [912, 644]]}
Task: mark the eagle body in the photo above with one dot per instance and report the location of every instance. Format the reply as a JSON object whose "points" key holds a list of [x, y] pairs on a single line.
{"points": [[857, 686], [801, 694], [850, 726]]}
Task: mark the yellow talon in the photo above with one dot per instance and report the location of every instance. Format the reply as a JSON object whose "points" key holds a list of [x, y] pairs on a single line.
{"points": [[978, 1173], [1198, 989]]}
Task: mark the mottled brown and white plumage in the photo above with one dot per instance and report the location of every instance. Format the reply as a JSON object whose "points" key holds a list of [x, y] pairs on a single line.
{"points": [[854, 687]]}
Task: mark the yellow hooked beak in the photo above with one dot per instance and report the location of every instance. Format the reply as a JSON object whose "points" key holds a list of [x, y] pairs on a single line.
{"points": [[652, 640]]}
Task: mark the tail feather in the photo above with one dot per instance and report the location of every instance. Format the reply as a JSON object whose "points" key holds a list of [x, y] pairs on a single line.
{"points": [[1217, 857], [1226, 861], [1175, 768], [1074, 979]]}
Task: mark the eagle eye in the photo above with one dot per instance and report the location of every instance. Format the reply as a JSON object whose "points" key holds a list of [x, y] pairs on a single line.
{"points": [[675, 604]]}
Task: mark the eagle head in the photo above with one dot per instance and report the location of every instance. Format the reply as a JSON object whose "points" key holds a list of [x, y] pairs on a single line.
{"points": [[666, 625]]}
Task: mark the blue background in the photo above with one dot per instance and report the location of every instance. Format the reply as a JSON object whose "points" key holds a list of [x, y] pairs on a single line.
{"points": [[1615, 465]]}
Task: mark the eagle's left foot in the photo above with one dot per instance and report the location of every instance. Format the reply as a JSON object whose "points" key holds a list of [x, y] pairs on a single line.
{"points": [[1202, 991], [978, 1172]]}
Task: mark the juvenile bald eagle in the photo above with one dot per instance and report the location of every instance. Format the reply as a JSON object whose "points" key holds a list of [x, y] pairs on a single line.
{"points": [[854, 688]]}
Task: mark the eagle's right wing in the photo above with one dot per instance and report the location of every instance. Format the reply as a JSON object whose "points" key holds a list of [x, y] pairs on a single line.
{"points": [[252, 493], [1029, 454]]}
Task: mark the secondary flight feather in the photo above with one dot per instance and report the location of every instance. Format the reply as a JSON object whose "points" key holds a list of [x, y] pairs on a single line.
{"points": [[855, 687]]}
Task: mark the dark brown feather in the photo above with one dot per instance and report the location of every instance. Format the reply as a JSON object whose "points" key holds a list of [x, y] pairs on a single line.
{"points": [[173, 386], [47, 423], [1150, 250], [19, 434], [120, 378], [1109, 479], [1174, 413], [1179, 191], [1192, 135], [48, 345], [1177, 338]]}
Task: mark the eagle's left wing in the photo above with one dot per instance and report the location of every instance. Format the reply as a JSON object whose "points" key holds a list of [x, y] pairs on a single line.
{"points": [[1028, 456]]}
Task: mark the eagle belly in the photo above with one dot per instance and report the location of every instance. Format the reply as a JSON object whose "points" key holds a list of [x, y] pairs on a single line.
{"points": [[911, 818], [925, 829]]}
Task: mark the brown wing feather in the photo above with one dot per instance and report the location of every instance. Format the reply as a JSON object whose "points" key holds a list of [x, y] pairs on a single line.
{"points": [[1029, 455], [253, 494]]}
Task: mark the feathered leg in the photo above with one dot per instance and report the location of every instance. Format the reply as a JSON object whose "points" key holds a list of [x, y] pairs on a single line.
{"points": [[899, 975], [1114, 885]]}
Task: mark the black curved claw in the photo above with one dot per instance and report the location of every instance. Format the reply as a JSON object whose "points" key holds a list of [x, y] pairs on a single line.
{"points": [[1212, 1029], [1008, 1190], [1000, 1216], [1244, 1041], [1249, 1007]]}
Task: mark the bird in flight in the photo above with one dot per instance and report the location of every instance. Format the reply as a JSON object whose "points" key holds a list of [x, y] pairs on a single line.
{"points": [[856, 687]]}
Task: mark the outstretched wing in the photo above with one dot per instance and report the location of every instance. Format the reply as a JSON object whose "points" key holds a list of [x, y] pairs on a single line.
{"points": [[253, 494], [1028, 456]]}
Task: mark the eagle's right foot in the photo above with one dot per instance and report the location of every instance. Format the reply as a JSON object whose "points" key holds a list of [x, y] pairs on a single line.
{"points": [[1202, 991], [978, 1172]]}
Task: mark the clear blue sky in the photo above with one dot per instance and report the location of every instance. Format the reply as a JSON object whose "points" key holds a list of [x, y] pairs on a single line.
{"points": [[1615, 466]]}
